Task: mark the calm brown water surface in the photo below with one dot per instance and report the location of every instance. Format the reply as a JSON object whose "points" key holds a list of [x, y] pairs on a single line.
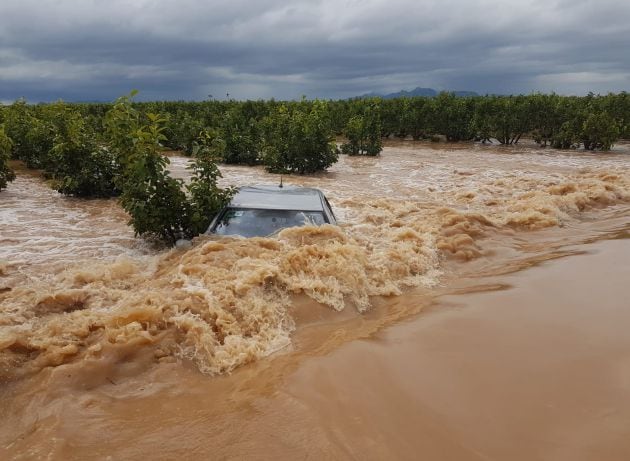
{"points": [[109, 346]]}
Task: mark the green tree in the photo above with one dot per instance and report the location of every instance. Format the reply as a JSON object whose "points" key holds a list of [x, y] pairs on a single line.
{"points": [[452, 116], [181, 129], [17, 119], [567, 137], [599, 131], [568, 116], [77, 163], [354, 137], [507, 118], [206, 197], [242, 137], [6, 146], [157, 203], [391, 114], [32, 129], [618, 107], [363, 133], [154, 200], [300, 141], [416, 116], [545, 116], [482, 120]]}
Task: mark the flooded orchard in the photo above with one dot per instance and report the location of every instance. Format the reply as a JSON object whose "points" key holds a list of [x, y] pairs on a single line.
{"points": [[308, 344]]}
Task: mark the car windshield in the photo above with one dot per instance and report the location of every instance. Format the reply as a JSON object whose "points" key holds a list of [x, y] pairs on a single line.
{"points": [[260, 223]]}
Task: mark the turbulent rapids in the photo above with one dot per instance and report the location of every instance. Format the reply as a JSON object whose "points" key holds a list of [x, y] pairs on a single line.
{"points": [[75, 285]]}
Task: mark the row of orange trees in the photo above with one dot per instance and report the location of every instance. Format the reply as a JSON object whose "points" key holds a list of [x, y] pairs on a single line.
{"points": [[115, 149], [118, 154], [297, 136], [590, 122], [286, 137]]}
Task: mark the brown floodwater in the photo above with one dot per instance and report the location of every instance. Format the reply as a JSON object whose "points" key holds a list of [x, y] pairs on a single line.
{"points": [[471, 305]]}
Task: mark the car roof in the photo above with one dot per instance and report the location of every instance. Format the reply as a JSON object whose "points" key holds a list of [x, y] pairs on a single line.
{"points": [[278, 198]]}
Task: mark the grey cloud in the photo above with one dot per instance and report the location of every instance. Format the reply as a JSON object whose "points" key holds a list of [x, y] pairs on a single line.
{"points": [[97, 50]]}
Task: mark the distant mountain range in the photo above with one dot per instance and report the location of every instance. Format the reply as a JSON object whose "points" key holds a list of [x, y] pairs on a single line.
{"points": [[426, 92]]}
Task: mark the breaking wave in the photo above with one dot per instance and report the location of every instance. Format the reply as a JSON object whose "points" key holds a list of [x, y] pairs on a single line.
{"points": [[226, 302]]}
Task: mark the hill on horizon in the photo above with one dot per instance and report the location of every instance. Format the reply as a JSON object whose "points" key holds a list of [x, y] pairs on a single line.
{"points": [[418, 91]]}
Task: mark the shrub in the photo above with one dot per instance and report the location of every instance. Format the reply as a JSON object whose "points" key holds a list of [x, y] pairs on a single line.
{"points": [[363, 133], [32, 130], [451, 116], [77, 163], [181, 130], [157, 203], [599, 131], [567, 136], [6, 145], [242, 138], [300, 141], [206, 198], [154, 200]]}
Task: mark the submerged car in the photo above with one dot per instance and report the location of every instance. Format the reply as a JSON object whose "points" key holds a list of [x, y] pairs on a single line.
{"points": [[260, 211]]}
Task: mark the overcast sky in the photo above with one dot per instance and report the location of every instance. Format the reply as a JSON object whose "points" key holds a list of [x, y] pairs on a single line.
{"points": [[190, 49]]}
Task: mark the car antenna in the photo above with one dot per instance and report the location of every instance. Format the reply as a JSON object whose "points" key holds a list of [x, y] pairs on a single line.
{"points": [[280, 186]]}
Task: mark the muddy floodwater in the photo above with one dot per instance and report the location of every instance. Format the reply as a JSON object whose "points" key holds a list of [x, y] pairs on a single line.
{"points": [[474, 303]]}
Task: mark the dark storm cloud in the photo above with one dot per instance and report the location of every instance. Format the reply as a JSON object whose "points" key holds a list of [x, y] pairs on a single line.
{"points": [[96, 50]]}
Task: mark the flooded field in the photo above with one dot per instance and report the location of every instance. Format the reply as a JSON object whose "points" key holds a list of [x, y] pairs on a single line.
{"points": [[258, 348]]}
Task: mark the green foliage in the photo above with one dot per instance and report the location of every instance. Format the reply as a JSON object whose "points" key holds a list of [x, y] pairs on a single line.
{"points": [[567, 136], [6, 145], [599, 131], [392, 113], [181, 130], [503, 118], [354, 136], [17, 120], [242, 137], [618, 107], [157, 203], [154, 200], [56, 139], [544, 114], [415, 117], [206, 198], [299, 141], [372, 131], [122, 123], [32, 128], [481, 122], [452, 116], [77, 164], [105, 149], [363, 133]]}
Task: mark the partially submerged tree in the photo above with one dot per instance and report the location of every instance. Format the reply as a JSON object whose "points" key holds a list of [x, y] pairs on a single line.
{"points": [[299, 141], [363, 133], [31, 133], [599, 131], [78, 163], [154, 200], [206, 197], [6, 145], [242, 137], [452, 116], [157, 203]]}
